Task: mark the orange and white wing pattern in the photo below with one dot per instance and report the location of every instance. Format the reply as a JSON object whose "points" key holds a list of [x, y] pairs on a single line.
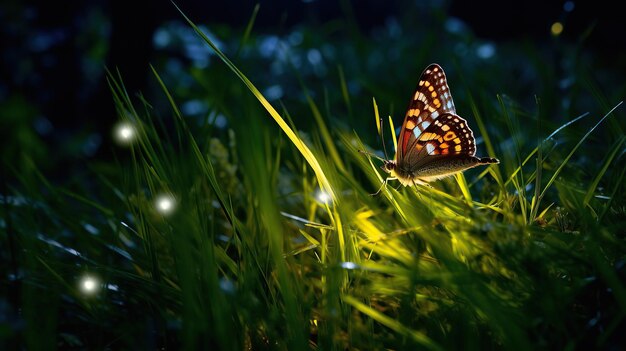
{"points": [[432, 98]]}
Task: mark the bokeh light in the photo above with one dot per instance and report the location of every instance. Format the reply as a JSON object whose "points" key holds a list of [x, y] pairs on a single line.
{"points": [[89, 285], [349, 265], [568, 6], [323, 197], [124, 133], [165, 203], [557, 28]]}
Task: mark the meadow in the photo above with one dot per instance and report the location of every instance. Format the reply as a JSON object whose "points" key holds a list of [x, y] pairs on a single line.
{"points": [[238, 211]]}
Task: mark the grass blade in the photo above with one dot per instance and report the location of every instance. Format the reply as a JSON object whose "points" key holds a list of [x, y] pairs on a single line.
{"points": [[298, 143]]}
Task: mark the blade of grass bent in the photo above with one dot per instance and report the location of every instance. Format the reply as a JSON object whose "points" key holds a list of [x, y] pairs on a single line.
{"points": [[298, 143]]}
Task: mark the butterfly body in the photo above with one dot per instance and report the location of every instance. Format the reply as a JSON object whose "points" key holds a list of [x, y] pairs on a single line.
{"points": [[438, 168], [434, 141]]}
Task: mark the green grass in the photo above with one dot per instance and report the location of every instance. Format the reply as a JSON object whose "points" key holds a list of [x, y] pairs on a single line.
{"points": [[527, 254]]}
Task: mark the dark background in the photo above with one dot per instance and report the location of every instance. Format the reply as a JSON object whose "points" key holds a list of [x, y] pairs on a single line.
{"points": [[57, 106]]}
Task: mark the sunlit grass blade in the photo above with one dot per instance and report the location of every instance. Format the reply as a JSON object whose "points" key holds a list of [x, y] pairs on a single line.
{"points": [[536, 199], [376, 115], [298, 143], [462, 183], [391, 323], [393, 135], [543, 213]]}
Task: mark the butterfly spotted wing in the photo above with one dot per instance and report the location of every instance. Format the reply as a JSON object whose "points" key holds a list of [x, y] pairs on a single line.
{"points": [[432, 97], [434, 141]]}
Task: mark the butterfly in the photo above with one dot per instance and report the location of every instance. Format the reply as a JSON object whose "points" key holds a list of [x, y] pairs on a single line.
{"points": [[434, 141]]}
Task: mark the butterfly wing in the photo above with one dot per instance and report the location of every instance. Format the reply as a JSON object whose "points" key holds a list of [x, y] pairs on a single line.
{"points": [[431, 99], [448, 135], [447, 146]]}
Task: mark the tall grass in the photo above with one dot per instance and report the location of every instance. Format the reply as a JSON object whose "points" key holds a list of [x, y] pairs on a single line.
{"points": [[275, 242]]}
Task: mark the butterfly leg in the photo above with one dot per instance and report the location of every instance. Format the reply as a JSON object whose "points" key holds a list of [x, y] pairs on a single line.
{"points": [[383, 185]]}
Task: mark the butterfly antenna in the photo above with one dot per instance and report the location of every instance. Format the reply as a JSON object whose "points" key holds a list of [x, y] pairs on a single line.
{"points": [[372, 155], [382, 138]]}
